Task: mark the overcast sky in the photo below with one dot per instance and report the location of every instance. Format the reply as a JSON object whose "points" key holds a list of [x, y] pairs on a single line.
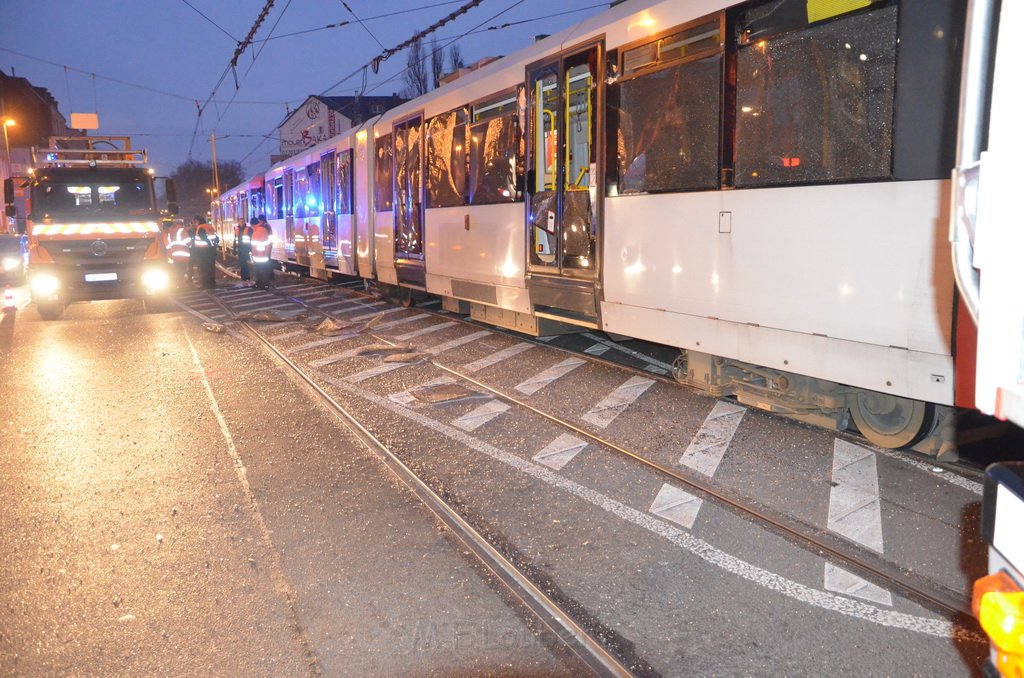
{"points": [[143, 65]]}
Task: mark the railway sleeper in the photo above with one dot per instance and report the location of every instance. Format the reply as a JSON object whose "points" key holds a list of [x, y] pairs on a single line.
{"points": [[885, 420]]}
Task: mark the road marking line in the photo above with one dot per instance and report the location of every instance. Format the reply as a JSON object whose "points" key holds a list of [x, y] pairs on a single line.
{"points": [[560, 451], [360, 306], [321, 342], [384, 368], [542, 379], [703, 454], [495, 358], [402, 321], [603, 413], [700, 548], [426, 330], [841, 581], [257, 304], [374, 314], [855, 511], [476, 418], [628, 351], [277, 570], [708, 446], [597, 349], [676, 505], [343, 302]]}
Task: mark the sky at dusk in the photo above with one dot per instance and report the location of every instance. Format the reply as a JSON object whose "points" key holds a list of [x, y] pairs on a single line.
{"points": [[143, 65]]}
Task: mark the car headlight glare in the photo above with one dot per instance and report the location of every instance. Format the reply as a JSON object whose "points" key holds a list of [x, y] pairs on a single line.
{"points": [[11, 263], [45, 285], [155, 280]]}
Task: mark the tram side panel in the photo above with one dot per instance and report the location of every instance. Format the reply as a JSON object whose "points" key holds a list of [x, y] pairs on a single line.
{"points": [[846, 283], [362, 208], [383, 205]]}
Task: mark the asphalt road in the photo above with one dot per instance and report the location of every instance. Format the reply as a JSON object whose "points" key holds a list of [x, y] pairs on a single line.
{"points": [[175, 503], [172, 506]]}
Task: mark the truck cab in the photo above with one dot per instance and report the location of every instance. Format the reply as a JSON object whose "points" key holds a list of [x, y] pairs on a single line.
{"points": [[93, 224]]}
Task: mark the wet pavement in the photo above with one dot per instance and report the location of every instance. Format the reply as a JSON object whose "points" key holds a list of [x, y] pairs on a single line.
{"points": [[365, 582], [175, 507]]}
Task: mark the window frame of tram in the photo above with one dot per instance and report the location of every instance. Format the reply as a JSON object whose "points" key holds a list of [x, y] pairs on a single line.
{"points": [[664, 111], [344, 203], [329, 200], [289, 206], [275, 198], [445, 178], [408, 144], [497, 148], [791, 129], [555, 193], [383, 186]]}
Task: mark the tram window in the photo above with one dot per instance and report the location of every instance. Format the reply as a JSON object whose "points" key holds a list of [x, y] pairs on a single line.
{"points": [[344, 183], [446, 159], [383, 191], [665, 127], [275, 198], [816, 105], [493, 151], [289, 193], [699, 39], [256, 201], [301, 191], [312, 202]]}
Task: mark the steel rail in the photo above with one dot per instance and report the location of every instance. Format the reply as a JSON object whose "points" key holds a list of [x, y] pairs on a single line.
{"points": [[584, 646], [871, 565]]}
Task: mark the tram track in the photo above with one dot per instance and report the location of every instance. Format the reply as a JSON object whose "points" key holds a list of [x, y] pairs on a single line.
{"points": [[575, 637], [833, 547]]}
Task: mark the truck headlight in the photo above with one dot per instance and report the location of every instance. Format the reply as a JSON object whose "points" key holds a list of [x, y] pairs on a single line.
{"points": [[45, 285], [155, 280]]}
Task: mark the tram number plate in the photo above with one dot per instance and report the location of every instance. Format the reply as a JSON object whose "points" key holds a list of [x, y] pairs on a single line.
{"points": [[100, 277]]}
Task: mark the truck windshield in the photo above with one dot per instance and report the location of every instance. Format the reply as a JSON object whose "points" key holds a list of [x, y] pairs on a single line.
{"points": [[81, 199]]}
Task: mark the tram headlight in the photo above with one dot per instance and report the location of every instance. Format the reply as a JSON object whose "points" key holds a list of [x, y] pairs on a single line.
{"points": [[155, 280], [45, 285]]}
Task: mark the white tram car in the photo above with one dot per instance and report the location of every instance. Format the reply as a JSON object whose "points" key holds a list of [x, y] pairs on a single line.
{"points": [[763, 185]]}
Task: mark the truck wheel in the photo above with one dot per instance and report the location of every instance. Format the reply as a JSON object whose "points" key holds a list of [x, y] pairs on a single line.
{"points": [[50, 310]]}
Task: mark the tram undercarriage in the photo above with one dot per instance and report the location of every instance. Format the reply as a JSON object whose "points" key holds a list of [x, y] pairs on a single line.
{"points": [[886, 420]]}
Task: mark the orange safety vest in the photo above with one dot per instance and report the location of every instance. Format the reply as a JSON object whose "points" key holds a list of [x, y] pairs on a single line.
{"points": [[262, 242], [177, 244]]}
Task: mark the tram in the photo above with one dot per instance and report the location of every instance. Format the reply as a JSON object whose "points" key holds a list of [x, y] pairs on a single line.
{"points": [[763, 185]]}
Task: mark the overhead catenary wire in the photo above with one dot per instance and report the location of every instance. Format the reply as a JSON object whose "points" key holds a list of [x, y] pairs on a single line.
{"points": [[401, 72]]}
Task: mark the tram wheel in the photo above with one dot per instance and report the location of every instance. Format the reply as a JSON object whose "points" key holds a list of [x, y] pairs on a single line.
{"points": [[679, 367], [890, 421]]}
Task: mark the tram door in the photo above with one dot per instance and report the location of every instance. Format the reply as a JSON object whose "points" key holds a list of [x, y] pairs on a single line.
{"points": [[409, 201], [328, 200], [562, 185], [289, 210]]}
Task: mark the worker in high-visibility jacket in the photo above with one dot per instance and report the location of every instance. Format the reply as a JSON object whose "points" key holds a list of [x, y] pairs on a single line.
{"points": [[176, 245], [243, 246], [262, 243], [204, 255]]}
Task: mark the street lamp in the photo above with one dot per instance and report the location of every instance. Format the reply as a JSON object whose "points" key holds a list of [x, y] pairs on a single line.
{"points": [[8, 122]]}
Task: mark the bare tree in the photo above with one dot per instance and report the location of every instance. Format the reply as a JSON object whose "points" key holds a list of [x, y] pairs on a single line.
{"points": [[416, 79], [436, 62], [455, 61]]}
